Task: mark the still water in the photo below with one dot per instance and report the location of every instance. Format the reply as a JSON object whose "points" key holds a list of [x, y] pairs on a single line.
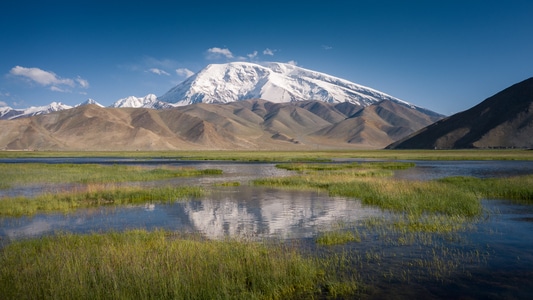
{"points": [[243, 211]]}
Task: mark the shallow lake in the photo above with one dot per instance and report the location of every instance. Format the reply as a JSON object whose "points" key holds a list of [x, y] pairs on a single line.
{"points": [[494, 257]]}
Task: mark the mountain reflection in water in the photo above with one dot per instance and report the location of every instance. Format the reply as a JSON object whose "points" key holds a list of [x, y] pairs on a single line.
{"points": [[251, 212]]}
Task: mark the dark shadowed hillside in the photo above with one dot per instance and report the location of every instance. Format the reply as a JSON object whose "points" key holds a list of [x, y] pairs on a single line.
{"points": [[504, 120]]}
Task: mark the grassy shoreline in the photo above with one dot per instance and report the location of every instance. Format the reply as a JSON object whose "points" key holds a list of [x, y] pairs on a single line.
{"points": [[287, 156]]}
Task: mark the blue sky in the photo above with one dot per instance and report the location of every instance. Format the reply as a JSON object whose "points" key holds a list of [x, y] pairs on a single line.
{"points": [[443, 55]]}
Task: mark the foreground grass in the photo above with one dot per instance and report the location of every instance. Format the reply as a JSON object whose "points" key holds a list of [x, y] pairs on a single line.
{"points": [[38, 173], [157, 265], [94, 196]]}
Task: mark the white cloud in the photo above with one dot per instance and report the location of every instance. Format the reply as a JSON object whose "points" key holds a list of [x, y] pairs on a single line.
{"points": [[46, 78], [326, 47], [56, 89], [41, 77], [252, 55], [158, 71], [215, 52], [82, 82], [184, 72], [2, 103], [292, 62], [268, 52]]}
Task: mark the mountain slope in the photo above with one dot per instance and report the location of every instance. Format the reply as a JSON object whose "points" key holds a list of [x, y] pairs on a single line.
{"points": [[504, 120], [250, 124], [377, 125]]}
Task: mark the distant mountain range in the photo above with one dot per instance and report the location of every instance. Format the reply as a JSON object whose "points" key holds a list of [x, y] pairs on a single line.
{"points": [[504, 120], [269, 106], [249, 125]]}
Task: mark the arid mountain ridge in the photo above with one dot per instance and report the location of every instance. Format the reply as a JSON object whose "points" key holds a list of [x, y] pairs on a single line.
{"points": [[248, 125], [504, 120]]}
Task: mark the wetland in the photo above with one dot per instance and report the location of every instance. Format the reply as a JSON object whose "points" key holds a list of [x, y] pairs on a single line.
{"points": [[299, 227]]}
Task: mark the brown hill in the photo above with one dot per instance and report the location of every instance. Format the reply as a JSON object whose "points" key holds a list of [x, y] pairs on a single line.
{"points": [[504, 120], [250, 124], [377, 125]]}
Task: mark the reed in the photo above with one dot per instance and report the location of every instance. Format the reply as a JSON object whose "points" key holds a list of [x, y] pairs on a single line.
{"points": [[160, 265], [94, 195]]}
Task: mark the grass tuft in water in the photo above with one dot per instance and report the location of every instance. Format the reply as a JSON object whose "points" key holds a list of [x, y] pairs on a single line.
{"points": [[337, 237]]}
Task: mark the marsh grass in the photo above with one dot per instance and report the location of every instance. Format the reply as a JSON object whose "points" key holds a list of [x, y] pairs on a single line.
{"points": [[36, 173], [371, 183], [337, 237], [94, 195], [517, 189], [160, 265]]}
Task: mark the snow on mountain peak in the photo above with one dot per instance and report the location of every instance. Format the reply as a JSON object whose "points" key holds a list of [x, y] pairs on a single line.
{"points": [[148, 101], [273, 81], [54, 106], [10, 113], [89, 101]]}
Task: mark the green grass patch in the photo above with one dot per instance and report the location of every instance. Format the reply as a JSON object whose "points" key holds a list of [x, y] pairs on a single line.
{"points": [[518, 189], [309, 167], [94, 196], [337, 237], [35, 173], [288, 156], [228, 183], [159, 265]]}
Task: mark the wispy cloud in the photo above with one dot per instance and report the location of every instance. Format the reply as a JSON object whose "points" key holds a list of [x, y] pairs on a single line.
{"points": [[216, 53], [267, 51], [56, 89], [2, 103], [48, 79], [184, 72], [252, 55], [82, 82], [292, 62], [158, 71], [326, 47]]}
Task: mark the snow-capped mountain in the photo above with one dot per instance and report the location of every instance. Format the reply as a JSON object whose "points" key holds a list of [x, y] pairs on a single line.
{"points": [[8, 113], [275, 82], [89, 101], [148, 101]]}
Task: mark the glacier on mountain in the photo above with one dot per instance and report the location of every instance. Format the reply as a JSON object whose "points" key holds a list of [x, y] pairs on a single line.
{"points": [[275, 82]]}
